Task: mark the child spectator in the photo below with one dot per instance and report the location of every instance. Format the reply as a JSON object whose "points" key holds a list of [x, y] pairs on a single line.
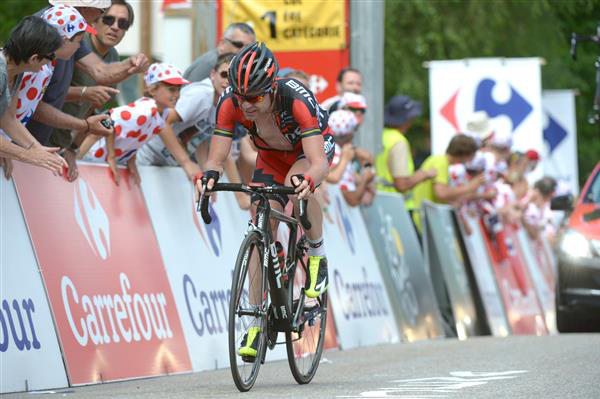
{"points": [[136, 123]]}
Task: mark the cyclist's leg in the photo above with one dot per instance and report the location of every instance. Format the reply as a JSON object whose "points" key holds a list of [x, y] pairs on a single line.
{"points": [[316, 248]]}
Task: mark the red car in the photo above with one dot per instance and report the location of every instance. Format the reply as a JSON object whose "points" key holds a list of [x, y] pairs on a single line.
{"points": [[578, 254]]}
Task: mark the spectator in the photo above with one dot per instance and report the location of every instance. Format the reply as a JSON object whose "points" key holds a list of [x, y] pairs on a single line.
{"points": [[297, 74], [193, 123], [348, 80], [461, 149], [48, 113], [31, 45], [355, 187], [537, 217], [137, 122], [84, 93], [395, 167], [236, 37], [34, 83]]}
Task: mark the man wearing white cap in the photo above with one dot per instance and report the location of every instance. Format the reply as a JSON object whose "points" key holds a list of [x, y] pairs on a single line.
{"points": [[48, 113]]}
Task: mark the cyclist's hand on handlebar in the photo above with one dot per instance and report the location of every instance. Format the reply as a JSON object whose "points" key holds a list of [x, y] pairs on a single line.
{"points": [[304, 185], [206, 180]]}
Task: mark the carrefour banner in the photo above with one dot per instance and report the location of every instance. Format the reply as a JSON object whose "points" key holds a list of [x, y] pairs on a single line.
{"points": [[448, 269], [507, 89], [199, 260], [108, 290], [361, 305], [560, 138], [30, 357], [481, 266], [403, 268]]}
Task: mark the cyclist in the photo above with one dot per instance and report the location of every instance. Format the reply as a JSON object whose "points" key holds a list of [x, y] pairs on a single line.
{"points": [[290, 131]]}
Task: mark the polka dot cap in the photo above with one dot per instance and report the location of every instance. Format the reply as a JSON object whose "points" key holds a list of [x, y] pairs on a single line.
{"points": [[342, 122], [162, 72], [353, 100], [67, 20]]}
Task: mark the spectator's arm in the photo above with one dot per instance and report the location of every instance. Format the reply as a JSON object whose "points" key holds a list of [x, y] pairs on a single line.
{"points": [[353, 198], [114, 72], [363, 156], [87, 143], [336, 173], [11, 125], [97, 95], [448, 194], [174, 146], [51, 116], [405, 183]]}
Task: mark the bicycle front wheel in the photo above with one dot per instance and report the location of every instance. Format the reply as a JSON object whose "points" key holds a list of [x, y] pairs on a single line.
{"points": [[304, 348], [247, 310]]}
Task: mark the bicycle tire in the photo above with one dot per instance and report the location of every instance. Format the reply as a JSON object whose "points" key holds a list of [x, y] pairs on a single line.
{"points": [[304, 353], [244, 374]]}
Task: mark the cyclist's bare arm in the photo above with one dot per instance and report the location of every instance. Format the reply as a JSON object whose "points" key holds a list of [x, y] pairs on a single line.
{"points": [[219, 149], [318, 165]]}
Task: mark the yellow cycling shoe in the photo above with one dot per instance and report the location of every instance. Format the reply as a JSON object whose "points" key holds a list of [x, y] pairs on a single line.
{"points": [[318, 281]]}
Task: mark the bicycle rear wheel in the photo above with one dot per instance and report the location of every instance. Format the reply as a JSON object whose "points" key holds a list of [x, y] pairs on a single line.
{"points": [[305, 347], [247, 308]]}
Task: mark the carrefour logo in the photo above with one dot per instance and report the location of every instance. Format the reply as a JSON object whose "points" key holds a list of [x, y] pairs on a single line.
{"points": [[210, 233], [343, 223], [92, 219], [516, 108], [554, 133]]}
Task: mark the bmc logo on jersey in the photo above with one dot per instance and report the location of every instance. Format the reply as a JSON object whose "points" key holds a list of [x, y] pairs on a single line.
{"points": [[516, 108], [210, 233], [305, 93], [92, 219]]}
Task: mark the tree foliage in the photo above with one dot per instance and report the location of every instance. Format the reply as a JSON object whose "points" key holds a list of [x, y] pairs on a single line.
{"points": [[11, 12], [422, 30]]}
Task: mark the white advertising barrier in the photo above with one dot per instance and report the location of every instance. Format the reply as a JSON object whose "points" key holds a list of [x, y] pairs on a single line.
{"points": [[542, 276], [484, 275], [507, 89], [199, 260], [30, 357], [560, 138], [361, 305]]}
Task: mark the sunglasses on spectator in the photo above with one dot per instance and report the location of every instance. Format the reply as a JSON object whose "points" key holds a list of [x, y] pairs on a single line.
{"points": [[235, 43], [109, 20], [224, 74], [51, 57], [361, 110]]}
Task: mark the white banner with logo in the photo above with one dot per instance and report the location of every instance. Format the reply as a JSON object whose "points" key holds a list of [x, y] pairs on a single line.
{"points": [[30, 357], [360, 301], [507, 89], [560, 138], [199, 259]]}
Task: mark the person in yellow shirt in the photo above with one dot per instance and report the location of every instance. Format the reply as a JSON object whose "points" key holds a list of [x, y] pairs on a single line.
{"points": [[394, 165], [461, 149]]}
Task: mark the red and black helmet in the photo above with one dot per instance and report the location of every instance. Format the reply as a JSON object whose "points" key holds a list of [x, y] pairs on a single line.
{"points": [[253, 70]]}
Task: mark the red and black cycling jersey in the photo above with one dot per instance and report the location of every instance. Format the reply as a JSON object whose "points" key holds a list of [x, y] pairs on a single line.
{"points": [[297, 114]]}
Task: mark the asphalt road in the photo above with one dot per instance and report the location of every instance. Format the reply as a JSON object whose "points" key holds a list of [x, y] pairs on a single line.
{"points": [[560, 366]]}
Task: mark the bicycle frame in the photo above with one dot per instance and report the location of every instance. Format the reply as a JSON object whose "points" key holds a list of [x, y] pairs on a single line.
{"points": [[284, 320]]}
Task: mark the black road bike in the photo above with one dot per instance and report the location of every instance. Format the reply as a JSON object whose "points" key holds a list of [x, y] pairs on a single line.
{"points": [[275, 302]]}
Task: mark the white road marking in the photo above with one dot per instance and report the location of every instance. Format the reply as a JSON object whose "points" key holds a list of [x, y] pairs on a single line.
{"points": [[437, 387]]}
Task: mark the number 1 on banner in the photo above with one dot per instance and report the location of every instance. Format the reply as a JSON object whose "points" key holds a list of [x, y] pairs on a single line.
{"points": [[272, 17]]}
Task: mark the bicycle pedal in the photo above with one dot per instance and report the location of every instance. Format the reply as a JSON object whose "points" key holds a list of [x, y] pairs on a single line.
{"points": [[248, 359]]}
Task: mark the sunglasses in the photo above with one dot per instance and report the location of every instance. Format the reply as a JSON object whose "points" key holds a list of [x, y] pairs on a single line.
{"points": [[235, 43], [109, 20], [353, 109], [251, 99], [51, 57], [224, 74]]}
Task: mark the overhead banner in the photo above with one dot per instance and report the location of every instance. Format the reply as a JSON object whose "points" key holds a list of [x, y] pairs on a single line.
{"points": [[447, 267], [107, 286], [403, 268], [481, 266], [507, 89], [305, 35], [523, 310], [30, 357], [199, 260], [361, 305], [560, 138]]}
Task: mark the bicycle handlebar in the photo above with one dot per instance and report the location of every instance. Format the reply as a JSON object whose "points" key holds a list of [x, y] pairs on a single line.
{"points": [[238, 187]]}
